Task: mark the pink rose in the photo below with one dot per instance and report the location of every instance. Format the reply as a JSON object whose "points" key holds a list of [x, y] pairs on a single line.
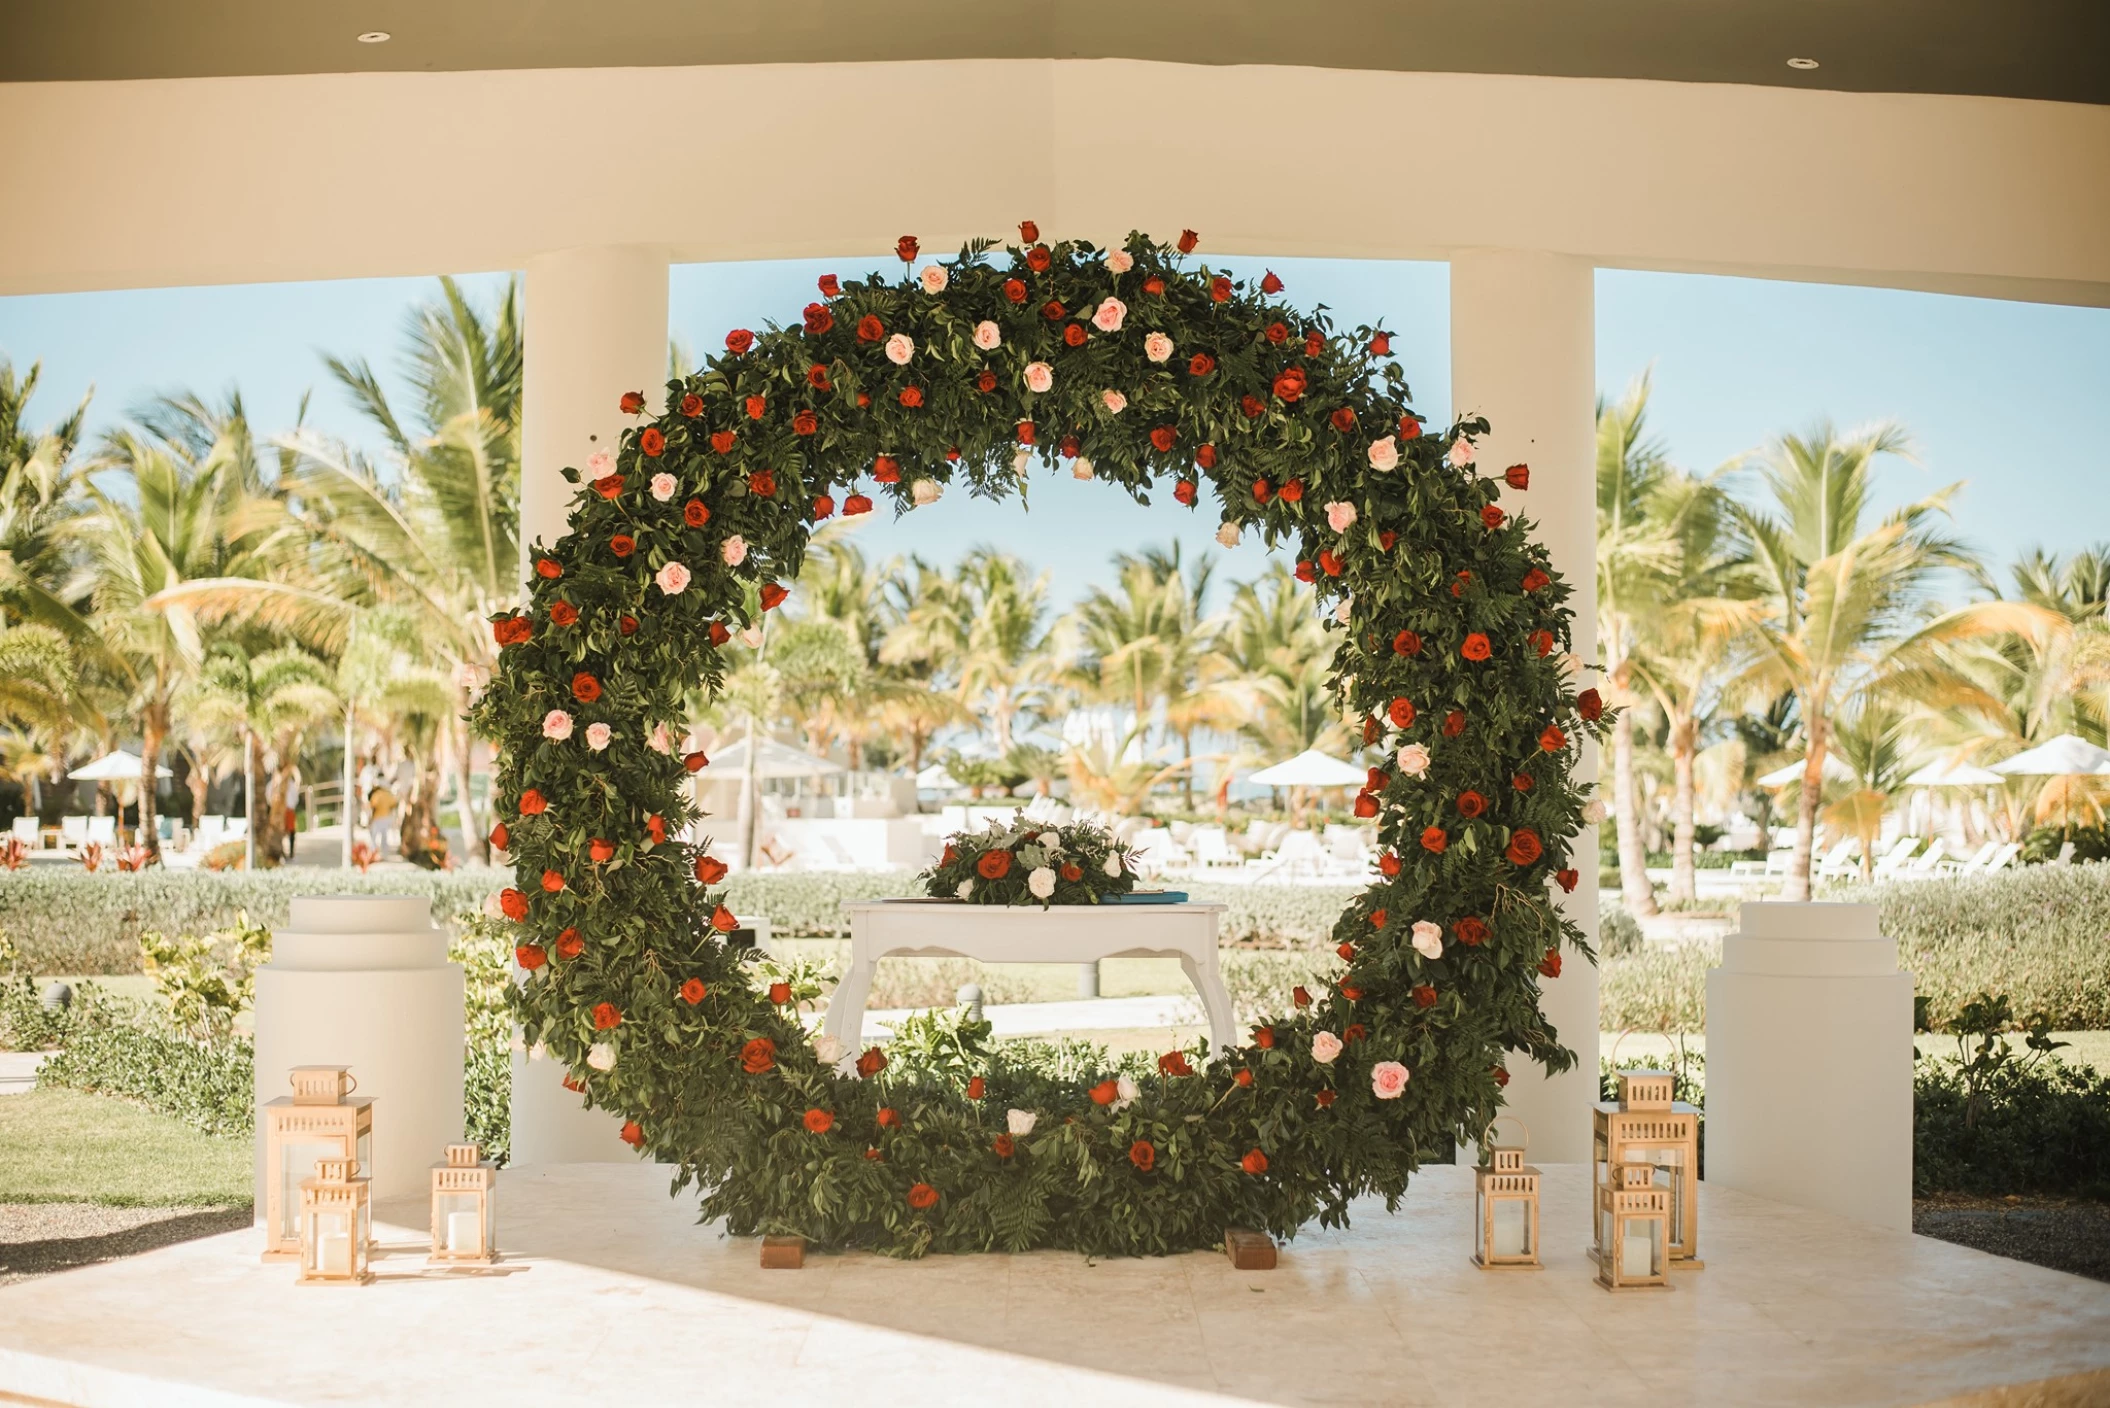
{"points": [[1109, 315], [735, 550], [673, 579], [600, 465], [1428, 939], [1388, 1080], [1461, 452], [934, 279], [556, 725], [899, 348], [1414, 759], [661, 741], [597, 736], [1114, 401], [1384, 454], [1120, 261], [1157, 347], [1228, 535], [1340, 517], [1039, 376], [925, 491], [1324, 1047], [988, 336], [663, 487]]}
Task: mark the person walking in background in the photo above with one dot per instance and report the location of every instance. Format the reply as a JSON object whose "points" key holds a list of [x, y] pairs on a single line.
{"points": [[381, 817]]}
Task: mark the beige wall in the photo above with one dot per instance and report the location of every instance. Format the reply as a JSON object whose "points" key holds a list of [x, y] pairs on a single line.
{"points": [[239, 179]]}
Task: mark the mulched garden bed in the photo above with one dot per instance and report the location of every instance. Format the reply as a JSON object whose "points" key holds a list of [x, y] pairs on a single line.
{"points": [[2065, 1234], [37, 1238]]}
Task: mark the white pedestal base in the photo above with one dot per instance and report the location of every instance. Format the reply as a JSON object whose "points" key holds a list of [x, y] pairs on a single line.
{"points": [[1809, 1063]]}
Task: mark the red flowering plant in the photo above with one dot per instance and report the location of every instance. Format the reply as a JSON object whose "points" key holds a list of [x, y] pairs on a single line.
{"points": [[1453, 629], [1027, 862]]}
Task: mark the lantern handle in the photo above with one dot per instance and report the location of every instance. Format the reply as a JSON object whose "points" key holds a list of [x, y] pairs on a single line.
{"points": [[352, 1085], [1487, 1137]]}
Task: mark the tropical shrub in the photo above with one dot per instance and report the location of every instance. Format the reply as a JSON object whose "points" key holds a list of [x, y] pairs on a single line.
{"points": [[1990, 1119], [114, 1046]]}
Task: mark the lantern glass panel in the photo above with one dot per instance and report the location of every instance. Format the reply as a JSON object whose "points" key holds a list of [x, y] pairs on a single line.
{"points": [[1512, 1231], [461, 1224], [1640, 1247], [297, 1159], [330, 1242], [1669, 1164]]}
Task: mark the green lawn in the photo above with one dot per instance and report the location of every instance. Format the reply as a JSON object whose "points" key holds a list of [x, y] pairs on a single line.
{"points": [[61, 1146], [1639, 1048]]}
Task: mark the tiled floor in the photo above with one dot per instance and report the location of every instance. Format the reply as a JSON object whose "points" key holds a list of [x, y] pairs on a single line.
{"points": [[615, 1296]]}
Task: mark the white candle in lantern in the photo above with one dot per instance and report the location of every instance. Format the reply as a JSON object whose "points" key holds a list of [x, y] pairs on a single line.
{"points": [[1509, 1227], [336, 1254], [464, 1231], [1637, 1255]]}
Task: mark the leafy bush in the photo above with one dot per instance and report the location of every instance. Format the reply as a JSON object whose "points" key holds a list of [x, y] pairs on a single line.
{"points": [[112, 1046], [2090, 844], [1656, 989], [480, 947], [1618, 933], [1995, 1121]]}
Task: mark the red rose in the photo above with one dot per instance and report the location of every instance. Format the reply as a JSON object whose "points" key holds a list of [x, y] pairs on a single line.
{"points": [[692, 405], [695, 513], [1188, 240], [922, 1196], [905, 249], [871, 1063], [758, 1055], [1264, 1038], [886, 469], [1305, 572], [1164, 437], [977, 1088], [1522, 782], [1490, 516], [608, 486], [1365, 805], [633, 1134], [1074, 335], [563, 613], [1458, 582], [1589, 705], [1406, 643], [719, 634], [656, 828], [552, 882], [1381, 345], [1476, 647], [1434, 839], [831, 285], [1567, 879], [585, 688], [1184, 492], [1072, 872], [994, 865], [513, 904], [1200, 364], [1329, 562], [1326, 1098], [1454, 723], [1105, 1093], [1038, 259], [1262, 492], [549, 568], [823, 507], [1551, 739], [805, 422], [723, 920], [772, 595], [651, 441], [1353, 994], [1424, 995], [1299, 996], [986, 381], [626, 624], [856, 504], [1542, 642], [1517, 476], [532, 804], [1028, 232], [1252, 407], [1314, 343], [692, 991], [632, 402], [569, 944], [606, 1016], [1005, 1146], [1409, 427], [1206, 456], [1501, 1076], [762, 484], [1472, 930], [1277, 333], [1289, 385], [1026, 432], [912, 396], [1220, 289], [870, 329], [1154, 286], [710, 870], [1353, 1033], [1386, 539], [513, 630], [819, 1121], [818, 319], [601, 849], [1269, 283], [1471, 805], [1244, 1078], [817, 377], [1401, 712], [780, 993], [1550, 965], [1389, 865], [1377, 918], [500, 836], [1293, 492], [1143, 1155], [738, 341], [1534, 579], [755, 406], [1524, 846], [1175, 1063], [1054, 312], [1254, 1162], [887, 1118], [1014, 290], [1343, 419], [622, 545]]}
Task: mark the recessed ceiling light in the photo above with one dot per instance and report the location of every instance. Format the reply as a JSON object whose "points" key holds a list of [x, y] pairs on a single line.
{"points": [[381, 36], [1802, 63]]}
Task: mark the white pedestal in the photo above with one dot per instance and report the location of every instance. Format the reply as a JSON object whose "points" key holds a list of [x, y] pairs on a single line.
{"points": [[363, 981], [1809, 1063]]}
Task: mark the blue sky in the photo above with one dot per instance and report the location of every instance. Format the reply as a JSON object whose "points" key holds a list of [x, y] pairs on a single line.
{"points": [[2008, 396]]}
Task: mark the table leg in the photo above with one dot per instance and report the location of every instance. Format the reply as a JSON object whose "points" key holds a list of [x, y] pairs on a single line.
{"points": [[846, 1008], [1216, 1000]]}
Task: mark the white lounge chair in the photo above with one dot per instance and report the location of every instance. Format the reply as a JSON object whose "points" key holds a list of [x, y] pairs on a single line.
{"points": [[1838, 862], [1893, 859], [103, 830], [1923, 865], [1975, 863], [73, 832], [26, 831], [2000, 859], [1212, 849]]}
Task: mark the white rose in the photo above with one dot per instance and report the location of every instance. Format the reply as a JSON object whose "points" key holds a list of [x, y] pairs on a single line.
{"points": [[661, 741], [1020, 1122], [934, 280], [1109, 314], [1113, 400], [1228, 535], [492, 908], [599, 465], [1595, 811], [827, 1049], [988, 336], [1126, 1088], [597, 736], [1342, 612], [966, 890], [925, 491], [1041, 882], [673, 579], [1428, 939], [1112, 865], [1082, 469], [663, 487], [1039, 376], [1120, 261], [601, 1056], [735, 550], [1340, 517], [1324, 1047], [1461, 452], [1414, 759], [1384, 454], [1049, 839], [1158, 347], [556, 725]]}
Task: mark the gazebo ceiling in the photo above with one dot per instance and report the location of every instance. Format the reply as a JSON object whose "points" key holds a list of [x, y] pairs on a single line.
{"points": [[2049, 49]]}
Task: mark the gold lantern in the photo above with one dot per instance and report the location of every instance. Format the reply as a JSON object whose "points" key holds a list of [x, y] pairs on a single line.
{"points": [[1633, 1230], [320, 1120], [1646, 1126], [464, 1214], [1506, 1208], [336, 1225]]}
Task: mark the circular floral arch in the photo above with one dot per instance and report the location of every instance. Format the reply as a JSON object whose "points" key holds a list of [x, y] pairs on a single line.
{"points": [[1130, 366]]}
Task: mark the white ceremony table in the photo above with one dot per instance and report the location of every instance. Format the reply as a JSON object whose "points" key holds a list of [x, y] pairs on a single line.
{"points": [[1073, 933]]}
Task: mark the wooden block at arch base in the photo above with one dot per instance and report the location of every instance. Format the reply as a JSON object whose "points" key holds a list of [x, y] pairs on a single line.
{"points": [[1249, 1250], [783, 1253]]}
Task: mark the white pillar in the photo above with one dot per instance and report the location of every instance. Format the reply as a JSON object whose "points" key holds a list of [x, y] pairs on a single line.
{"points": [[1523, 354], [596, 326]]}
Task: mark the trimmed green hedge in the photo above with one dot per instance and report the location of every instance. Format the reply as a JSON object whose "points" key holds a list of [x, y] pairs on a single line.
{"points": [[113, 1047]]}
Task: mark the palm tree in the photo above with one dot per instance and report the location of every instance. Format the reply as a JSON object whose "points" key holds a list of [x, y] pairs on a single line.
{"points": [[271, 698], [38, 496], [1873, 741], [985, 629], [1276, 664]]}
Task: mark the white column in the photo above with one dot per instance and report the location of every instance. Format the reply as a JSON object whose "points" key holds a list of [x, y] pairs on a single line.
{"points": [[596, 326], [1523, 355]]}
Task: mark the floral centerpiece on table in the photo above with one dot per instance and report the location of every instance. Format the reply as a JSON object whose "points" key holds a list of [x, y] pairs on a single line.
{"points": [[1028, 862]]}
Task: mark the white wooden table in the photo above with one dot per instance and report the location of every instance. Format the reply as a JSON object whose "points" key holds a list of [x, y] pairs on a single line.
{"points": [[1077, 933]]}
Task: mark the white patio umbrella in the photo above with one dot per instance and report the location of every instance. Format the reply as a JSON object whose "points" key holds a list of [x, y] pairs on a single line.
{"points": [[936, 778], [1834, 771], [773, 760], [1311, 768], [1954, 775], [121, 766], [2065, 756]]}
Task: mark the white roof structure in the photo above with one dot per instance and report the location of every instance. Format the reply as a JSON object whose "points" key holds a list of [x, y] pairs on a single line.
{"points": [[774, 761], [121, 766], [1310, 768], [2068, 755], [1954, 775]]}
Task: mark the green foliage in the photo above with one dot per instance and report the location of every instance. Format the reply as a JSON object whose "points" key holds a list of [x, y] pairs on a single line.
{"points": [[1656, 988], [1618, 933], [116, 1047], [480, 946], [1449, 629], [63, 1146], [205, 983], [2043, 845], [1075, 864], [1994, 1120]]}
